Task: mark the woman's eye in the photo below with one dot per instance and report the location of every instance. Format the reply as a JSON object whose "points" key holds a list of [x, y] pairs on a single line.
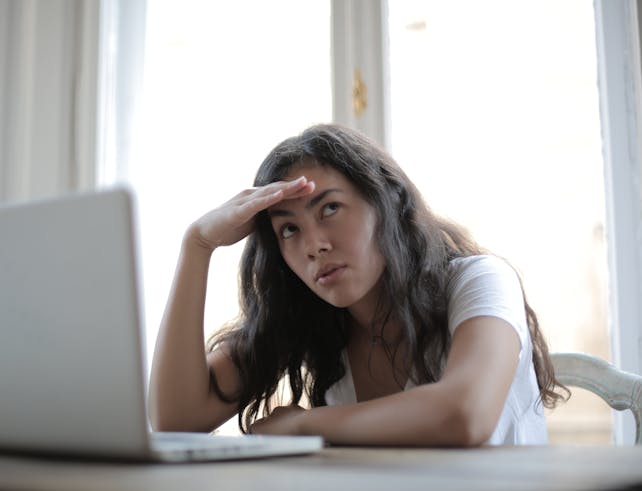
{"points": [[287, 231], [330, 209]]}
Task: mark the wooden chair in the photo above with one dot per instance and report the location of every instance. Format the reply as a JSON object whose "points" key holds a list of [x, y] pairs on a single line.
{"points": [[619, 389]]}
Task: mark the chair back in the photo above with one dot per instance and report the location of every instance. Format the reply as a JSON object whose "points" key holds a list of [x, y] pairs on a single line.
{"points": [[619, 389]]}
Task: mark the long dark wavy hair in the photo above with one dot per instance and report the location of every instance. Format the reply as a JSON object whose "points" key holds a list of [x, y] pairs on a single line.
{"points": [[286, 332]]}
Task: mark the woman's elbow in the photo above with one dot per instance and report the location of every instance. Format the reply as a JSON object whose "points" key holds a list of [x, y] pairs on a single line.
{"points": [[167, 422], [470, 426], [161, 421], [162, 418]]}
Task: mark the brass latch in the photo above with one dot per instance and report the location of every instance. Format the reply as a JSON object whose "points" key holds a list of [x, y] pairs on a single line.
{"points": [[359, 94]]}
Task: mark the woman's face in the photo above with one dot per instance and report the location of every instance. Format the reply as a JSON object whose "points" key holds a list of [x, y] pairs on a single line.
{"points": [[328, 239]]}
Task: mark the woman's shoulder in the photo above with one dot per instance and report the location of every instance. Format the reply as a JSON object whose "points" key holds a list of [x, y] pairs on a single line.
{"points": [[479, 264], [482, 272], [485, 285]]}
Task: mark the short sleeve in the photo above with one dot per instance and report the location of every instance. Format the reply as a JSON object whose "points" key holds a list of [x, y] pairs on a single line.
{"points": [[486, 286]]}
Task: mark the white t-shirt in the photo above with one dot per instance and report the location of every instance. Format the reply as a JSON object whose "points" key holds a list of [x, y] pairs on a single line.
{"points": [[486, 285]]}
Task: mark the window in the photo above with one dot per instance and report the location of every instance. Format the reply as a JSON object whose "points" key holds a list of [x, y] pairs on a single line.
{"points": [[495, 115], [223, 83]]}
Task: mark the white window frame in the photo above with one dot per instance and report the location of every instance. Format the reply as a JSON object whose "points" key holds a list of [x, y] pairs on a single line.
{"points": [[360, 42], [120, 71], [618, 50]]}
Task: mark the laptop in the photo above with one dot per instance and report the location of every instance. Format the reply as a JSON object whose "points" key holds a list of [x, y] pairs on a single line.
{"points": [[72, 369]]}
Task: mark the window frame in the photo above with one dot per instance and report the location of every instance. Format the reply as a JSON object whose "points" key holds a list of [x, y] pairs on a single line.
{"points": [[360, 43], [619, 75]]}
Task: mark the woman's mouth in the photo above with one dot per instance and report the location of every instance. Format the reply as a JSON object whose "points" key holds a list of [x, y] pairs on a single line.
{"points": [[329, 275]]}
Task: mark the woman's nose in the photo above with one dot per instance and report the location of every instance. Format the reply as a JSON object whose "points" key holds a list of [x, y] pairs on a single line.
{"points": [[317, 243]]}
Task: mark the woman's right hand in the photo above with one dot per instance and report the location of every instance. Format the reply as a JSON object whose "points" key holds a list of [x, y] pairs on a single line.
{"points": [[180, 392], [234, 220]]}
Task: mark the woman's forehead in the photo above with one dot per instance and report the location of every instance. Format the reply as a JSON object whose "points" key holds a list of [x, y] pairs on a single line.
{"points": [[322, 174], [299, 168], [328, 182]]}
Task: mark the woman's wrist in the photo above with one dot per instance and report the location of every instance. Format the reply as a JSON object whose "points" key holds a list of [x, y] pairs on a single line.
{"points": [[315, 420], [193, 242], [303, 424]]}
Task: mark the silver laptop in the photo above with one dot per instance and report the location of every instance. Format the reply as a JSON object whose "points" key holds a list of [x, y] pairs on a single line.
{"points": [[72, 370]]}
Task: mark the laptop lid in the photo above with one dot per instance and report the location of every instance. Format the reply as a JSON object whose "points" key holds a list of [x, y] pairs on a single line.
{"points": [[71, 366], [71, 363]]}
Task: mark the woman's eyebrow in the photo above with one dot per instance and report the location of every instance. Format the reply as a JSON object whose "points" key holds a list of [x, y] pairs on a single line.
{"points": [[310, 204], [320, 196]]}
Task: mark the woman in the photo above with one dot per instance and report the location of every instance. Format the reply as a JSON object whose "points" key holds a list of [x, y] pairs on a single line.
{"points": [[390, 321]]}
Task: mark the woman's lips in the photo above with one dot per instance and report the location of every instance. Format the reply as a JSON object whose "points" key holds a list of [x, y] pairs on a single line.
{"points": [[330, 276]]}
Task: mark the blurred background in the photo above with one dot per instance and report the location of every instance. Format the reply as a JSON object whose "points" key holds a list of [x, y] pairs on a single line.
{"points": [[491, 107]]}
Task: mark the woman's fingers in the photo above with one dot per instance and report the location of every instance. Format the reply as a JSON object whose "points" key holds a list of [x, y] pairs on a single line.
{"points": [[290, 189], [259, 199], [234, 220]]}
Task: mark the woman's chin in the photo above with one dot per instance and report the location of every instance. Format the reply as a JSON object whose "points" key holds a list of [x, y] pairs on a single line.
{"points": [[338, 302]]}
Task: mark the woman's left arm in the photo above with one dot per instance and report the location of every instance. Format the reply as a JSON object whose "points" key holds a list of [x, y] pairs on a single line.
{"points": [[461, 409]]}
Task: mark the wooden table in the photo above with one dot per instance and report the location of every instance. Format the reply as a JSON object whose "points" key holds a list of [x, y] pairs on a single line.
{"points": [[334, 469]]}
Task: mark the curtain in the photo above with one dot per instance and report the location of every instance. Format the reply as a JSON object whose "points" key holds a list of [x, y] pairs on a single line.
{"points": [[48, 97], [69, 74]]}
